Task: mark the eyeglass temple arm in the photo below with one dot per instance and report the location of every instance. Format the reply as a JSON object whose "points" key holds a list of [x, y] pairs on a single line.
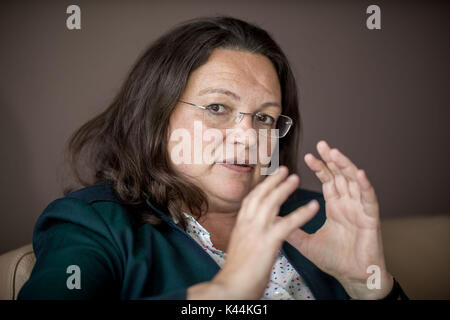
{"points": [[193, 104]]}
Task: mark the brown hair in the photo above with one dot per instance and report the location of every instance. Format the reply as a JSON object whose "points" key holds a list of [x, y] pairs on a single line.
{"points": [[126, 144]]}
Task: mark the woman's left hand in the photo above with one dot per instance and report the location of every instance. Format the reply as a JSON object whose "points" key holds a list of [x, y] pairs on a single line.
{"points": [[350, 239]]}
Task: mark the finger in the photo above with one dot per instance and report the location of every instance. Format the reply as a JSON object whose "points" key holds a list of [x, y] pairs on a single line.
{"points": [[320, 169], [269, 183], [283, 190], [279, 195], [254, 198], [339, 179], [368, 196], [283, 227], [349, 170], [324, 174]]}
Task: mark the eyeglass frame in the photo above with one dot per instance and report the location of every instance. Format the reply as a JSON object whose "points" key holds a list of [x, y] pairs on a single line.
{"points": [[240, 116]]}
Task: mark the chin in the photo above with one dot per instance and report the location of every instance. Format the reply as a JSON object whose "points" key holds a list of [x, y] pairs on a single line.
{"points": [[231, 191], [228, 188]]}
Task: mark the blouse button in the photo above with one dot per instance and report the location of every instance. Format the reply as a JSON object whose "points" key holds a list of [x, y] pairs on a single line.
{"points": [[277, 293]]}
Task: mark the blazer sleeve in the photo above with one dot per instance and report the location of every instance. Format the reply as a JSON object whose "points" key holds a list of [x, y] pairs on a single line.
{"points": [[71, 234], [71, 241]]}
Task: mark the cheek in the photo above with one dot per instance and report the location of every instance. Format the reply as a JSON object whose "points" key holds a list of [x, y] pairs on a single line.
{"points": [[183, 151], [268, 148], [179, 142], [257, 177]]}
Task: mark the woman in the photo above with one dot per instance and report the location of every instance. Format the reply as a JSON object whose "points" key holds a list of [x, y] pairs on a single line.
{"points": [[148, 226]]}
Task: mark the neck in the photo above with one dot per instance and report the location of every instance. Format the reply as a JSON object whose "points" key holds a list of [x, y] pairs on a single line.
{"points": [[225, 218], [220, 225], [219, 222], [219, 210]]}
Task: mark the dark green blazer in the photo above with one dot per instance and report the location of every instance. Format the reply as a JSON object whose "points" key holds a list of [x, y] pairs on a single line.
{"points": [[119, 258]]}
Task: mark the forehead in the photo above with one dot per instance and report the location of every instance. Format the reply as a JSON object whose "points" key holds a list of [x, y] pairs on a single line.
{"points": [[247, 74]]}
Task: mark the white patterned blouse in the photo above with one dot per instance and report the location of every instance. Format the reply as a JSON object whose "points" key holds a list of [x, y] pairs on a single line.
{"points": [[285, 283]]}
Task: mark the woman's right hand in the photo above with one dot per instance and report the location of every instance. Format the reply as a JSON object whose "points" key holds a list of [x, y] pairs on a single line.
{"points": [[256, 239]]}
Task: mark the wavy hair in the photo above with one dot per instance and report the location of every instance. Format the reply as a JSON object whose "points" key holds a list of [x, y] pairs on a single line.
{"points": [[127, 144]]}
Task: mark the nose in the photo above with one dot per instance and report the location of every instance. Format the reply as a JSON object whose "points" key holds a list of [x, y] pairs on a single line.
{"points": [[243, 132], [244, 120]]}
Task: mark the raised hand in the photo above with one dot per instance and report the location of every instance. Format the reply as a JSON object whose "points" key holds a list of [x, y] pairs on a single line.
{"points": [[256, 239], [350, 240]]}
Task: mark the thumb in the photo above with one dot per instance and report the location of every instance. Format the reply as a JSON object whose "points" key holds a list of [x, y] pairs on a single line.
{"points": [[288, 227]]}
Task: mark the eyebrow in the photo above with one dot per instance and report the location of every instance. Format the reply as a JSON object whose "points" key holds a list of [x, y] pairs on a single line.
{"points": [[233, 95]]}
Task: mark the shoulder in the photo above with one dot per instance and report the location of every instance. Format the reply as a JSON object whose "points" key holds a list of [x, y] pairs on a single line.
{"points": [[92, 202], [301, 197], [87, 228], [95, 193], [94, 211]]}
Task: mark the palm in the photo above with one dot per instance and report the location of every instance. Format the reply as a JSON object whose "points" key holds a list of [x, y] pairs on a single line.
{"points": [[350, 239]]}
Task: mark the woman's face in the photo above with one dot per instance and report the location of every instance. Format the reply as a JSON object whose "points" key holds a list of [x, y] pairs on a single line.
{"points": [[252, 80]]}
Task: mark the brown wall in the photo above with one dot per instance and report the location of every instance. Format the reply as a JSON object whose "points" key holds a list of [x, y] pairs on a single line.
{"points": [[381, 96]]}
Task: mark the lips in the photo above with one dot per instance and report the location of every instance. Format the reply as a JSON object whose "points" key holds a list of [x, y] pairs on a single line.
{"points": [[245, 163], [241, 168]]}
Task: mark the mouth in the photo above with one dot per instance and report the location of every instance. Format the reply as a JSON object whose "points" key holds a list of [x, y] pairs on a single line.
{"points": [[238, 167]]}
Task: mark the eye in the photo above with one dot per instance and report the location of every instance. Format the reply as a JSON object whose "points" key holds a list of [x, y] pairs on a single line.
{"points": [[265, 119], [216, 108]]}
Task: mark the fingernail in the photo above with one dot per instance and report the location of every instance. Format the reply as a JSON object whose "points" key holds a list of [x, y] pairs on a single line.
{"points": [[312, 204], [280, 169]]}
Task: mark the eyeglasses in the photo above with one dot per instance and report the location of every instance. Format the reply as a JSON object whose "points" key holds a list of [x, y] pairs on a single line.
{"points": [[220, 116]]}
